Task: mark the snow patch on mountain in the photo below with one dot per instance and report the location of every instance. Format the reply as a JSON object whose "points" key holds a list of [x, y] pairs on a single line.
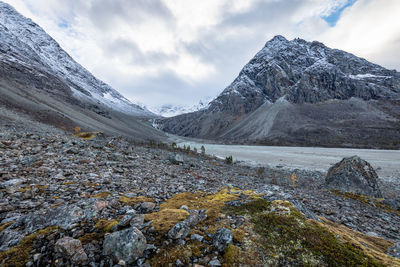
{"points": [[169, 110]]}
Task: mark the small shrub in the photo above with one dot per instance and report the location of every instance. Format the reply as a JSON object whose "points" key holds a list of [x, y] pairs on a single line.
{"points": [[203, 150], [229, 160]]}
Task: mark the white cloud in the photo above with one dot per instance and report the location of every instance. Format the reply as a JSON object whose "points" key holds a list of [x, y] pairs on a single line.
{"points": [[370, 29], [180, 51]]}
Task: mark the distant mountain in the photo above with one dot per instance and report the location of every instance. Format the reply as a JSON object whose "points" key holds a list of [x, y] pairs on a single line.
{"points": [[174, 110], [302, 93], [40, 78]]}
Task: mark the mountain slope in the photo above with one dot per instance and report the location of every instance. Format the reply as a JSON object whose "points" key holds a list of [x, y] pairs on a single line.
{"points": [[302, 93], [40, 79]]}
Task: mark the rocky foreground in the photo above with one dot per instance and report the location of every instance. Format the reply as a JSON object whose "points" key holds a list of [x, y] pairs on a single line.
{"points": [[70, 201]]}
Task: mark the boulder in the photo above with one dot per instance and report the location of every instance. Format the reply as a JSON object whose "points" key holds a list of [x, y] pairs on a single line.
{"points": [[353, 175], [72, 250], [126, 245], [222, 238], [176, 159]]}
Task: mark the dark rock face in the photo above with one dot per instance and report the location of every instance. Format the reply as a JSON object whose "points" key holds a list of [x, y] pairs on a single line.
{"points": [[126, 245], [353, 175], [285, 82]]}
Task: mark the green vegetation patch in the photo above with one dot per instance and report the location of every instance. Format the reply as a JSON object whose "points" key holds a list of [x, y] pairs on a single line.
{"points": [[19, 255], [287, 238], [373, 202]]}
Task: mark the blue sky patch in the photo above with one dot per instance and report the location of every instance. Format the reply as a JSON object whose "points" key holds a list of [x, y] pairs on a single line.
{"points": [[63, 24], [335, 15]]}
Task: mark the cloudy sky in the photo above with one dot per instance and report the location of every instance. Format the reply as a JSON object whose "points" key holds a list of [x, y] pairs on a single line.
{"points": [[181, 51]]}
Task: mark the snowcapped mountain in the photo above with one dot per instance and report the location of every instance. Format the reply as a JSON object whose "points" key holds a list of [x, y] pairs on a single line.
{"points": [[40, 82], [24, 42], [172, 110], [301, 93]]}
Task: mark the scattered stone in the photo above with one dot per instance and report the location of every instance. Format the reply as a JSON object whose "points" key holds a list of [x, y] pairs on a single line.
{"points": [[394, 251], [222, 238], [197, 237], [353, 175], [71, 249], [125, 221], [127, 245], [176, 159], [100, 205], [179, 231], [214, 263]]}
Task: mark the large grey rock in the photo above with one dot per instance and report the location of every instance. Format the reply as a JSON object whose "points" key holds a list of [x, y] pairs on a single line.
{"points": [[222, 238], [353, 175], [126, 245], [72, 250]]}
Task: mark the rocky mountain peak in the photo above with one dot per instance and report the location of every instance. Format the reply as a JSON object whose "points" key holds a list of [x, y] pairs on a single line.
{"points": [[302, 71]]}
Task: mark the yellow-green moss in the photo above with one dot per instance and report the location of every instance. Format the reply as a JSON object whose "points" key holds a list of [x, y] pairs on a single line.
{"points": [[105, 225], [24, 189], [87, 135], [165, 219], [132, 201], [68, 183], [18, 256], [231, 253], [102, 195], [374, 202], [3, 226], [89, 237], [169, 255]]}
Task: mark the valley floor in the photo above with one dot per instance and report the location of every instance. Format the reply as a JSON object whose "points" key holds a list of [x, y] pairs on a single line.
{"points": [[54, 185]]}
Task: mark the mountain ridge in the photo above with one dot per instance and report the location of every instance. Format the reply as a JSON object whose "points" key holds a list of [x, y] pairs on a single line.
{"points": [[25, 41]]}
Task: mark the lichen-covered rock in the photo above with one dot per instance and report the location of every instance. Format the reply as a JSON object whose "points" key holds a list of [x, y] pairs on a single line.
{"points": [[126, 245], [71, 249], [179, 231], [353, 175], [222, 238]]}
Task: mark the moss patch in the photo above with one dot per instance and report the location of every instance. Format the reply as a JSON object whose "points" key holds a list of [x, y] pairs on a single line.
{"points": [[87, 135], [132, 201], [165, 219], [168, 256], [102, 195], [374, 202], [19, 255], [68, 183], [231, 253], [375, 247], [105, 225], [287, 238], [89, 237], [3, 226]]}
